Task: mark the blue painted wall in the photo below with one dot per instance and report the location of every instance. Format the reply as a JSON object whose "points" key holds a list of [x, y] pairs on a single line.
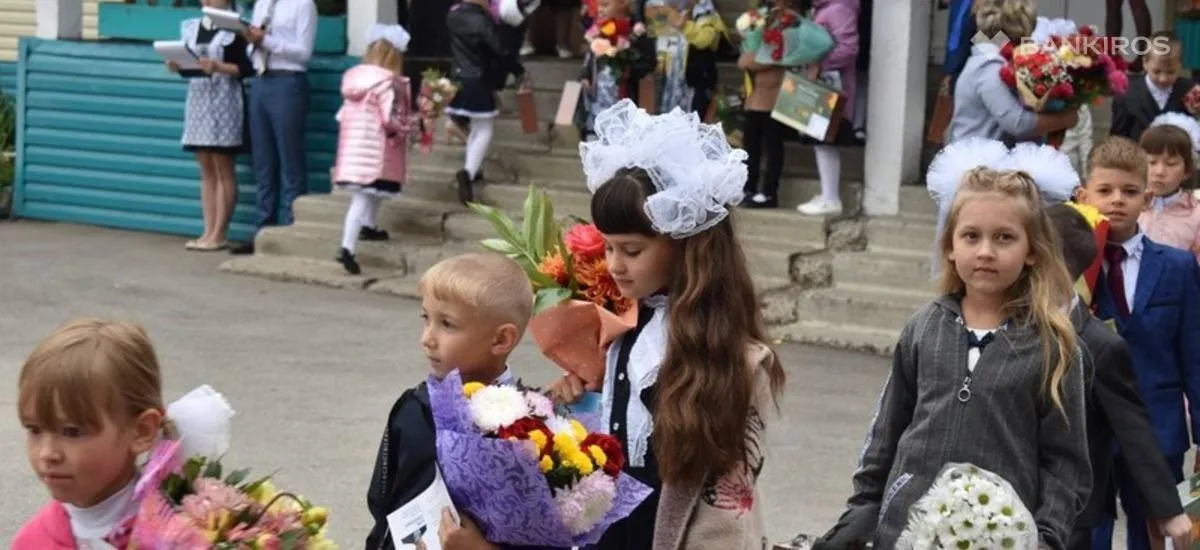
{"points": [[8, 78], [98, 139]]}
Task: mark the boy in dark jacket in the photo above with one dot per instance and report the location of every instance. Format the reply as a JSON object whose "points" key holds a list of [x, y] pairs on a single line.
{"points": [[1115, 409], [1159, 91], [475, 307]]}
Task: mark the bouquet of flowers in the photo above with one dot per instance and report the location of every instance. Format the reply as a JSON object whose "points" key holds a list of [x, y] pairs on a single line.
{"points": [[1086, 285], [1191, 101], [611, 41], [578, 309], [968, 507], [436, 93], [526, 475], [782, 37], [1064, 72]]}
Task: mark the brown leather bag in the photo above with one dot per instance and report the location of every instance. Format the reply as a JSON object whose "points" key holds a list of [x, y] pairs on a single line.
{"points": [[527, 107]]}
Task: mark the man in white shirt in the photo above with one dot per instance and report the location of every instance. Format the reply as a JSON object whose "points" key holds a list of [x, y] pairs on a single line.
{"points": [[281, 42]]}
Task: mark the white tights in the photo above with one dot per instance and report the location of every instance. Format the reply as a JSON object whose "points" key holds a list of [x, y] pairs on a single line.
{"points": [[362, 211], [829, 168], [478, 140]]}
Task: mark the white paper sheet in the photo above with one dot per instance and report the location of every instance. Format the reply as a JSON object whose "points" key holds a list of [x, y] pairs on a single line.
{"points": [[226, 19], [415, 525], [178, 51]]}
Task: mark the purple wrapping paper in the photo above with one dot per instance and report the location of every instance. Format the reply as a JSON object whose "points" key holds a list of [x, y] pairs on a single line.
{"points": [[498, 482]]}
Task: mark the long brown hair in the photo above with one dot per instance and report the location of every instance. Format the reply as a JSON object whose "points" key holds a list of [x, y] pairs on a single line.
{"points": [[705, 390], [1043, 290]]}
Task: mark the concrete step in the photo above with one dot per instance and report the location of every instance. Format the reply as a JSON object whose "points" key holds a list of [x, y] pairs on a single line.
{"points": [[405, 214], [838, 335], [404, 253], [914, 199], [327, 273], [910, 232], [874, 307], [896, 269], [546, 73]]}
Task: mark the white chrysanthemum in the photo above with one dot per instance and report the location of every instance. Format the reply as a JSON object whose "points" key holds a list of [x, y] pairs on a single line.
{"points": [[494, 407], [560, 425], [583, 505], [967, 507]]}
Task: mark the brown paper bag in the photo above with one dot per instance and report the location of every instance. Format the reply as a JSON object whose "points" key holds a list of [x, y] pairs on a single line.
{"points": [[527, 108], [572, 90], [943, 111], [648, 94]]}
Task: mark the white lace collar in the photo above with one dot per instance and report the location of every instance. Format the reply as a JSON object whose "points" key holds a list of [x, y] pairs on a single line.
{"points": [[90, 525], [645, 358]]}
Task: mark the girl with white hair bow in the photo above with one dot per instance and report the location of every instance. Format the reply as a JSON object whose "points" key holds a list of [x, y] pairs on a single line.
{"points": [[375, 124], [1050, 169], [1172, 146]]}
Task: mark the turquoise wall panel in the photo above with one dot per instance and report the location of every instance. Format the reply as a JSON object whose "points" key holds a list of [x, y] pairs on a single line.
{"points": [[98, 138], [141, 21], [8, 78]]}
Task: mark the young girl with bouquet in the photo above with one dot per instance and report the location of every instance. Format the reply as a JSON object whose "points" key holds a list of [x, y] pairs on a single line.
{"points": [[699, 335], [479, 61], [375, 124], [608, 76], [90, 399], [989, 373]]}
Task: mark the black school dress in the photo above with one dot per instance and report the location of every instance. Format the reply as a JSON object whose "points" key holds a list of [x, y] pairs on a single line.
{"points": [[635, 532]]}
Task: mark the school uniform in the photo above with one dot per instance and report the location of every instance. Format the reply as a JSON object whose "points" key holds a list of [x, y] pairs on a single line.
{"points": [[1153, 296], [958, 395], [1116, 413], [1133, 112]]}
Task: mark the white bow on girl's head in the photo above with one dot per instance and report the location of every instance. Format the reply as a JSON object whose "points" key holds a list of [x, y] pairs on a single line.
{"points": [[201, 419], [395, 34], [1183, 122]]}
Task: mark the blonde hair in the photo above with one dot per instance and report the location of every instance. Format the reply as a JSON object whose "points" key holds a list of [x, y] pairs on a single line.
{"points": [[484, 280], [383, 54], [1040, 294], [89, 369], [1015, 18], [1118, 153]]}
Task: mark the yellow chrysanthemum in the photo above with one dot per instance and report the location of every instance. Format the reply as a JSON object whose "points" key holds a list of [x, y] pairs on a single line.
{"points": [[579, 431], [564, 444], [264, 492], [316, 516], [538, 438], [546, 464], [1089, 212], [598, 455], [582, 463], [470, 388]]}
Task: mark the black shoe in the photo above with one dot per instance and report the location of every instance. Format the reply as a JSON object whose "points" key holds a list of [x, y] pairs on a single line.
{"points": [[465, 193], [373, 234], [478, 177], [768, 202], [347, 260], [243, 249]]}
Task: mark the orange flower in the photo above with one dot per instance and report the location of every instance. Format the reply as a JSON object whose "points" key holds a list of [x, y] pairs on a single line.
{"points": [[599, 286], [555, 267]]}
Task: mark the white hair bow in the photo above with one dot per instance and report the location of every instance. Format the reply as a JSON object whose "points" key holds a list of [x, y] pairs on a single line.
{"points": [[395, 34]]}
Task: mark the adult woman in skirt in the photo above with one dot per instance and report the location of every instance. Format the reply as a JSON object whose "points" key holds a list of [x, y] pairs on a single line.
{"points": [[478, 59], [214, 120]]}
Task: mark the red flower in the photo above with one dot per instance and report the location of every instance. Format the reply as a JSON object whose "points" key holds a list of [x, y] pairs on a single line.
{"points": [[525, 426], [584, 241], [612, 451], [1087, 30], [1007, 76], [1063, 90], [1007, 50]]}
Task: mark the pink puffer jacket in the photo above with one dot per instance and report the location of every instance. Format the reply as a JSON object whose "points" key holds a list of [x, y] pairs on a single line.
{"points": [[374, 126]]}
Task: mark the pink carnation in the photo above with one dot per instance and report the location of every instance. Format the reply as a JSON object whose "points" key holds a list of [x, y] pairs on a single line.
{"points": [[1118, 82]]}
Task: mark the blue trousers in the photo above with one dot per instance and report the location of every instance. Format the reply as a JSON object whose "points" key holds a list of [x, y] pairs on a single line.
{"points": [[278, 107], [1137, 537]]}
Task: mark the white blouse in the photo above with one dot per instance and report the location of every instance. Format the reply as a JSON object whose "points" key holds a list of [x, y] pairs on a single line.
{"points": [[645, 358]]}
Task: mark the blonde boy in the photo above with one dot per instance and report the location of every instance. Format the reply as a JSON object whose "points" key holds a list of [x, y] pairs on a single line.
{"points": [[475, 308], [1152, 294]]}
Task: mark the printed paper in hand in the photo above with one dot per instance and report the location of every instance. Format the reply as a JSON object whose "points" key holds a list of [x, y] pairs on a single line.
{"points": [[226, 19], [178, 51], [415, 525]]}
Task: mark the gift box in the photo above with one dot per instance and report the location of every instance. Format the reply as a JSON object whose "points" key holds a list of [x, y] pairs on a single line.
{"points": [[811, 107]]}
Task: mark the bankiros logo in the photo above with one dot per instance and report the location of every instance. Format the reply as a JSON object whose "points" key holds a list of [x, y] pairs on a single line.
{"points": [[1089, 45]]}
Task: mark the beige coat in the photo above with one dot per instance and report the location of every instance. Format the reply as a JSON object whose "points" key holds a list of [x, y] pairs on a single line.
{"points": [[727, 513]]}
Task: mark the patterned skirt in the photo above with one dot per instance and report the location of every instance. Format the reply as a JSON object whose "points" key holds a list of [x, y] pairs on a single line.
{"points": [[215, 116]]}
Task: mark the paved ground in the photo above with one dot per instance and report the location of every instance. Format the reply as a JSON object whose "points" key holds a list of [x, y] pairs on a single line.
{"points": [[312, 372]]}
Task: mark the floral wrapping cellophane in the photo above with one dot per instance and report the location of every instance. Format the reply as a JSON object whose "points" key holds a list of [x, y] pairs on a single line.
{"points": [[498, 483]]}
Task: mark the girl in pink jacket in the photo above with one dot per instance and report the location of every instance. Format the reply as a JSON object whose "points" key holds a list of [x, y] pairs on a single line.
{"points": [[375, 123], [1171, 144]]}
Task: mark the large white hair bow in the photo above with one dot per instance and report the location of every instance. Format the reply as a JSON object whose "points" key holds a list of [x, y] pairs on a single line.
{"points": [[514, 12], [1183, 122], [697, 174], [1047, 27], [202, 419], [395, 34]]}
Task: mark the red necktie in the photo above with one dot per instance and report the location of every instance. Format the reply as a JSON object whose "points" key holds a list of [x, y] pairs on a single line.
{"points": [[1114, 254]]}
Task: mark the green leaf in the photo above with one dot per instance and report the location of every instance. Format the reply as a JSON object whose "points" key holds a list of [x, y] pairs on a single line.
{"points": [[499, 245], [503, 225], [569, 260], [547, 298], [191, 470], [551, 230], [541, 280], [292, 540], [529, 221], [213, 470], [236, 477]]}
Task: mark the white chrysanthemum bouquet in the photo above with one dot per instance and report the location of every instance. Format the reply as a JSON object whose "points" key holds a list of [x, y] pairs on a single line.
{"points": [[969, 507]]}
